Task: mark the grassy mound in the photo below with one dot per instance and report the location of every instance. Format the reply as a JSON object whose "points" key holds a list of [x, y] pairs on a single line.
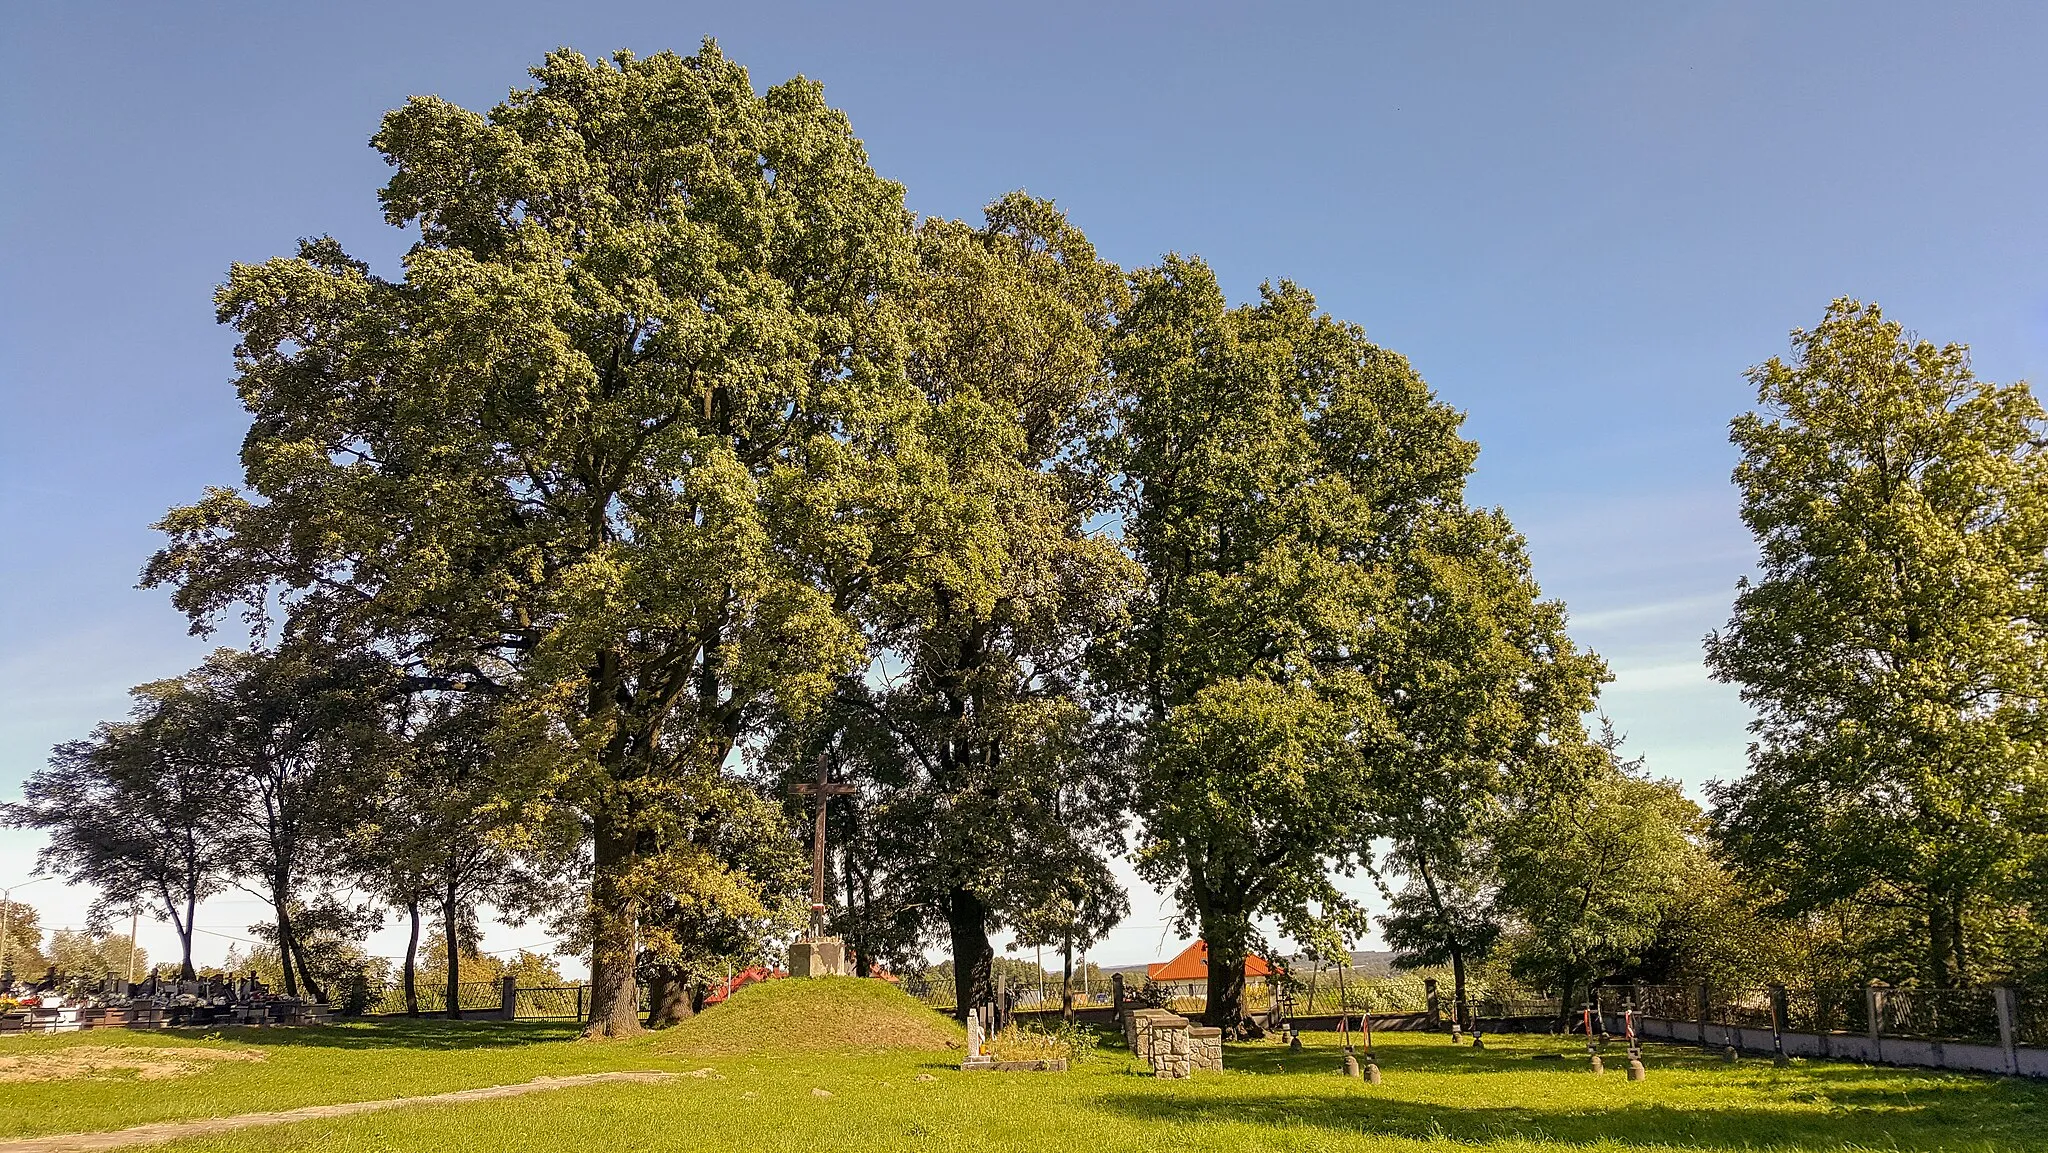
{"points": [[822, 1014]]}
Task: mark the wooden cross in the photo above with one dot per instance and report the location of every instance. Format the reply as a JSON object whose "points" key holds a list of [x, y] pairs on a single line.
{"points": [[824, 788]]}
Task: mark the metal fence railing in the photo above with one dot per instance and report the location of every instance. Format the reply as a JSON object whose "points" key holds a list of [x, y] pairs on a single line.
{"points": [[432, 997], [1969, 1015], [550, 1002], [1953, 1015]]}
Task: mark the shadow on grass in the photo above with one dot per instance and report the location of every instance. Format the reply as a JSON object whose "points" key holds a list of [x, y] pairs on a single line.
{"points": [[1448, 1058], [423, 1033], [1981, 1115]]}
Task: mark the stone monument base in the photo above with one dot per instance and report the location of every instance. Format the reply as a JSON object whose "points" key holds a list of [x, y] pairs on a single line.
{"points": [[818, 957]]}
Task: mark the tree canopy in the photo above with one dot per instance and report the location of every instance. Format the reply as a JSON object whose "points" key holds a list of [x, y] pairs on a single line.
{"points": [[613, 446], [678, 456], [1890, 644]]}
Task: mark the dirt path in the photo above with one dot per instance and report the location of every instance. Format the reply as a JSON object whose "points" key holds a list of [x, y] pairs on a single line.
{"points": [[206, 1126]]}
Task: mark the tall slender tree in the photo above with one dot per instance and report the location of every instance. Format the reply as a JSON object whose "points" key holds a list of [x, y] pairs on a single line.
{"points": [[1589, 873], [606, 448], [988, 780], [1288, 482], [453, 825], [1488, 698], [299, 733], [1890, 645]]}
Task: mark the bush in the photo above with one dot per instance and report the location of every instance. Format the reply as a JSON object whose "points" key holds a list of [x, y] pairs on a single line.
{"points": [[1072, 1043]]}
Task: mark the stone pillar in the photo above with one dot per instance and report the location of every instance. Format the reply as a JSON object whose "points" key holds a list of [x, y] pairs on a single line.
{"points": [[1167, 1046], [2002, 996], [977, 1037], [1117, 1006], [508, 998], [1205, 1049], [1873, 1015], [818, 957], [1702, 1011]]}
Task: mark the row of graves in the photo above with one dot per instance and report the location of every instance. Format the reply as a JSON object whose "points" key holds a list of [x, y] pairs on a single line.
{"points": [[56, 1005]]}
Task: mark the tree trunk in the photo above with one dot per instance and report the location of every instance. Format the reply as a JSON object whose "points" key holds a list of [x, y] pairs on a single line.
{"points": [[306, 978], [448, 937], [1462, 1016], [1067, 980], [284, 940], [1960, 948], [412, 952], [185, 970], [857, 962], [1225, 935], [1938, 941], [973, 957], [614, 995], [668, 999]]}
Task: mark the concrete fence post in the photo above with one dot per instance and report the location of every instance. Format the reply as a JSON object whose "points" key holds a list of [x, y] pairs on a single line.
{"points": [[508, 998], [1703, 1009], [1873, 1011], [2002, 997]]}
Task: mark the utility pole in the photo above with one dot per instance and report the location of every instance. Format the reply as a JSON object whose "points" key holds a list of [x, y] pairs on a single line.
{"points": [[7, 924], [134, 923]]}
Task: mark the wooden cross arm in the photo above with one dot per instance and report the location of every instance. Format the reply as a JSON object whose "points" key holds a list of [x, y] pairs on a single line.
{"points": [[831, 790]]}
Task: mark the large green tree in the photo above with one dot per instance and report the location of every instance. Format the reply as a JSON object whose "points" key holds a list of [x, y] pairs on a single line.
{"points": [[988, 784], [610, 445], [1295, 494], [1488, 696], [1890, 645]]}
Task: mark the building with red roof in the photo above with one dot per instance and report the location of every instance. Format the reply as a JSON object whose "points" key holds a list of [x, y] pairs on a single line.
{"points": [[1191, 968]]}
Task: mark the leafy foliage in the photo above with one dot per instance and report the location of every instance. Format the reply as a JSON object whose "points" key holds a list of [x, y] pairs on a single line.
{"points": [[989, 789], [1590, 873], [1325, 625], [1890, 647], [613, 447], [134, 812]]}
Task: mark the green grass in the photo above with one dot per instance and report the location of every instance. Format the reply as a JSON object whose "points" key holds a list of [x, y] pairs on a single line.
{"points": [[827, 1014], [1435, 1096]]}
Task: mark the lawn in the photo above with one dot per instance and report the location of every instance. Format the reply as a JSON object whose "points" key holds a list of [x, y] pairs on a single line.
{"points": [[1435, 1095]]}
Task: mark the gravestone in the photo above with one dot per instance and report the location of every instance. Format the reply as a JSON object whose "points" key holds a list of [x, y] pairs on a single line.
{"points": [[978, 1019]]}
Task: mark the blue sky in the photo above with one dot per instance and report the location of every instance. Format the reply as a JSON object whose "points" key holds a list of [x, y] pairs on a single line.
{"points": [[1580, 221]]}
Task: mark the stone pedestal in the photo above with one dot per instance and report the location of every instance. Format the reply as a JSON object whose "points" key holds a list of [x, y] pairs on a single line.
{"points": [[1161, 1039], [818, 957], [1205, 1049]]}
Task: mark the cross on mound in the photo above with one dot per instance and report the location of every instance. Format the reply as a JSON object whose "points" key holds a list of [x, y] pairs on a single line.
{"points": [[824, 789]]}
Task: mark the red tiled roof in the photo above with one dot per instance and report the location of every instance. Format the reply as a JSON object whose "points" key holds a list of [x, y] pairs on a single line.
{"points": [[1193, 965]]}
